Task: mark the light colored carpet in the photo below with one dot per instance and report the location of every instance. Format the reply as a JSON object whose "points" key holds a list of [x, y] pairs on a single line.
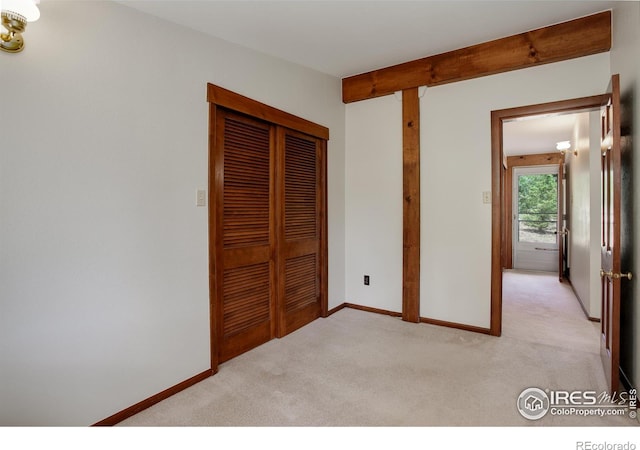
{"points": [[363, 369]]}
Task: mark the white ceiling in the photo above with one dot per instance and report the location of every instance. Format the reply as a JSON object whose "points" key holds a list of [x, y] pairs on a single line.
{"points": [[345, 38], [537, 134]]}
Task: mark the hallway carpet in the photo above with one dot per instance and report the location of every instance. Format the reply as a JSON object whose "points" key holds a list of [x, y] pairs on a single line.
{"points": [[362, 369]]}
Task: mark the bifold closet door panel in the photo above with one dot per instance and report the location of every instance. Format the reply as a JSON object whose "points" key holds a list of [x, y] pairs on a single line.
{"points": [[245, 233], [299, 212]]}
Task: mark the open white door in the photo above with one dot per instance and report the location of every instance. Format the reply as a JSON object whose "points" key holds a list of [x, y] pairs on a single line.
{"points": [[535, 218]]}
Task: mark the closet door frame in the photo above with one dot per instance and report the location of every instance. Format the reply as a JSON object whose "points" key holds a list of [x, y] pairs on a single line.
{"points": [[220, 97]]}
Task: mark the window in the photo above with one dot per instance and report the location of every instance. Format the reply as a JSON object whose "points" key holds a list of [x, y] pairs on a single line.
{"points": [[537, 208]]}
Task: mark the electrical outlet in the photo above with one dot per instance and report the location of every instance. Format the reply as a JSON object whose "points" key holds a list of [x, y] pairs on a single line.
{"points": [[366, 280]]}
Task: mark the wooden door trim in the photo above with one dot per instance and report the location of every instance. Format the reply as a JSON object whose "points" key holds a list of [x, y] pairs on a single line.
{"points": [[217, 95], [324, 231], [497, 186], [573, 39], [278, 305], [542, 159], [411, 205], [215, 199]]}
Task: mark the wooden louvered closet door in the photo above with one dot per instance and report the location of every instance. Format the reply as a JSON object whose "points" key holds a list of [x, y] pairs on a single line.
{"points": [[267, 223], [245, 232], [299, 228]]}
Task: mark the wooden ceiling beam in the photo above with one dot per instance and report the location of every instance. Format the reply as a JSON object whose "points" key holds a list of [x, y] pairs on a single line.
{"points": [[579, 37]]}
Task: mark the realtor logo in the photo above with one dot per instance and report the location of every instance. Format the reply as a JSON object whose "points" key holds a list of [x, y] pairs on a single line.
{"points": [[533, 403]]}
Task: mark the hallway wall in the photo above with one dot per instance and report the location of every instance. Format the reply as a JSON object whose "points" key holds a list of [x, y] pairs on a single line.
{"points": [[584, 211]]}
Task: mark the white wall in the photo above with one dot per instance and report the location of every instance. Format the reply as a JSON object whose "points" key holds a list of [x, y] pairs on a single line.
{"points": [[103, 254], [456, 168], [595, 302], [625, 60], [584, 189], [374, 202]]}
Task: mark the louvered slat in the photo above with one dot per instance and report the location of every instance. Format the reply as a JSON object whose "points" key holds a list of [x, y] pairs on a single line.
{"points": [[246, 300], [300, 282], [300, 188], [246, 184]]}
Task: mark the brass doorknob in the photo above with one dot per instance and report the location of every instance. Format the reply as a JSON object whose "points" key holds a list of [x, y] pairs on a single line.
{"points": [[605, 274], [616, 276], [627, 275]]}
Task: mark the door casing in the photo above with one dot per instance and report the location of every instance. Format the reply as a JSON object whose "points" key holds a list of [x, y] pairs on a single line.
{"points": [[498, 117]]}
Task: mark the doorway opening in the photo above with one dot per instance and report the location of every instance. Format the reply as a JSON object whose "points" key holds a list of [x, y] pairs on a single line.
{"points": [[503, 228], [614, 169]]}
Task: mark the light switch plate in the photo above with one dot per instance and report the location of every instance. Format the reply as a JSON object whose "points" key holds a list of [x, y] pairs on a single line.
{"points": [[486, 197], [201, 197]]}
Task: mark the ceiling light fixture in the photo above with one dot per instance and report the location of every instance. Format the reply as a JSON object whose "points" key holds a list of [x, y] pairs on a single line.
{"points": [[14, 17]]}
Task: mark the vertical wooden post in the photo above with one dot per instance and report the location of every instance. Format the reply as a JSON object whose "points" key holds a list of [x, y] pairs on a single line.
{"points": [[411, 205]]}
